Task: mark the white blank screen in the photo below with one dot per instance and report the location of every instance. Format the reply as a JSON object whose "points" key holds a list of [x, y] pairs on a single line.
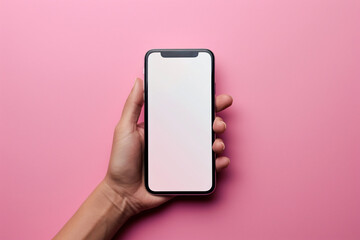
{"points": [[179, 122]]}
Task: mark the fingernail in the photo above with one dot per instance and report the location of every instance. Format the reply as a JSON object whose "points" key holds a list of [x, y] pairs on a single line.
{"points": [[224, 124]]}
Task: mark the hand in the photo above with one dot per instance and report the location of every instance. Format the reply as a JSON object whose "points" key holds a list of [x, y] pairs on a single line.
{"points": [[122, 193], [125, 173]]}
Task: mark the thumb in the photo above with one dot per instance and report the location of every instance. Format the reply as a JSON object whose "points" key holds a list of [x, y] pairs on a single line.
{"points": [[132, 108]]}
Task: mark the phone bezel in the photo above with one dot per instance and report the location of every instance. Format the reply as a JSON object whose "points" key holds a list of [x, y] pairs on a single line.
{"points": [[146, 169]]}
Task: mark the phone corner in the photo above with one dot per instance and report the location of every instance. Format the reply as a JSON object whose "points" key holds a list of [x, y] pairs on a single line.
{"points": [[211, 190], [147, 187], [150, 51], [209, 52]]}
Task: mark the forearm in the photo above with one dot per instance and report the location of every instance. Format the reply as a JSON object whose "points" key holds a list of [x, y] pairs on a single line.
{"points": [[99, 217]]}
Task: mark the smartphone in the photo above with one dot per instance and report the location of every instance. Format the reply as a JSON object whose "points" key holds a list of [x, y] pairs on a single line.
{"points": [[179, 111]]}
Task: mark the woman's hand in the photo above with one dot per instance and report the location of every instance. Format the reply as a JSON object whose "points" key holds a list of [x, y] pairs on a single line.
{"points": [[125, 174], [122, 193]]}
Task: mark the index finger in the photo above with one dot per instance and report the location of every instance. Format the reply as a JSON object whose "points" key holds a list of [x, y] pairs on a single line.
{"points": [[222, 102]]}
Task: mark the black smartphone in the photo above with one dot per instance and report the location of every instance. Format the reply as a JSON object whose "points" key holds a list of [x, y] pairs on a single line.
{"points": [[179, 113]]}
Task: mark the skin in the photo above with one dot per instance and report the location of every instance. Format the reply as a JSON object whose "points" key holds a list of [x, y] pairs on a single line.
{"points": [[122, 194]]}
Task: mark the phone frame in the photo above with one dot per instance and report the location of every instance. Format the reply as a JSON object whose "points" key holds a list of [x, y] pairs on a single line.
{"points": [[178, 53]]}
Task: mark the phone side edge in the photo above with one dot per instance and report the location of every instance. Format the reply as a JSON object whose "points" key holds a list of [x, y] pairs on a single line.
{"points": [[146, 167]]}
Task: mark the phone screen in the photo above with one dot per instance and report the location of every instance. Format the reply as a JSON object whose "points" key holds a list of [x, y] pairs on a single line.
{"points": [[178, 121]]}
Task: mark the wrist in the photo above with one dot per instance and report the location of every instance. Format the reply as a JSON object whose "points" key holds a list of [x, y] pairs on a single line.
{"points": [[100, 216], [121, 200]]}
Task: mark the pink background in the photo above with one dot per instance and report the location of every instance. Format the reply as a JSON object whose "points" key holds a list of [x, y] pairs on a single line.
{"points": [[293, 134]]}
